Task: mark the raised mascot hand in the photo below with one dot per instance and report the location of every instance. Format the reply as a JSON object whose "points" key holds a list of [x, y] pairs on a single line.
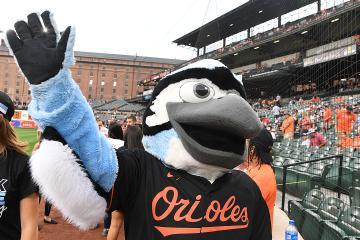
{"points": [[38, 51]]}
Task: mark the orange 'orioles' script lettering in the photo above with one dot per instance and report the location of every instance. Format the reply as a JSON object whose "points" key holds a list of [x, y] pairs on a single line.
{"points": [[176, 208]]}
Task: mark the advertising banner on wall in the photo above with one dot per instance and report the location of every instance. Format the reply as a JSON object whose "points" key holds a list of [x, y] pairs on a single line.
{"points": [[22, 119]]}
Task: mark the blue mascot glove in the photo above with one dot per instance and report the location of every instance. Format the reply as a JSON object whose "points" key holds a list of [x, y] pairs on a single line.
{"points": [[37, 52]]}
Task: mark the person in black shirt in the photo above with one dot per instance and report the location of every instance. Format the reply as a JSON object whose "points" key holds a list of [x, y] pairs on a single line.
{"points": [[18, 194]]}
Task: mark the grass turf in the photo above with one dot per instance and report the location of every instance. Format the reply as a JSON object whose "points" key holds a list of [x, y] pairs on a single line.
{"points": [[29, 136]]}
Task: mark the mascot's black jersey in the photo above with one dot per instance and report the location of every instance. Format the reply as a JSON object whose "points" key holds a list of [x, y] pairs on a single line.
{"points": [[161, 203]]}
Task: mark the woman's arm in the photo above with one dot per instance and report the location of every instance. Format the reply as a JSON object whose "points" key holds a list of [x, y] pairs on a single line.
{"points": [[29, 217], [116, 230]]}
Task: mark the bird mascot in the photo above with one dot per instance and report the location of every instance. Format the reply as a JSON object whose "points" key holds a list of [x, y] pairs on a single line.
{"points": [[195, 131]]}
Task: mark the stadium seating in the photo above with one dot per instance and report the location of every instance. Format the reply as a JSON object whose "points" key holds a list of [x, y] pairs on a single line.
{"points": [[292, 178], [354, 196], [311, 201], [112, 105], [356, 178], [278, 169], [331, 178], [309, 179], [329, 210], [348, 226]]}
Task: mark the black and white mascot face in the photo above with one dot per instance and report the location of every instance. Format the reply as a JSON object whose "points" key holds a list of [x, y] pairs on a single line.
{"points": [[198, 120]]}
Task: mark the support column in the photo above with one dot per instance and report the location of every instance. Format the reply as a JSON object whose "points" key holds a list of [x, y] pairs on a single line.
{"points": [[279, 21]]}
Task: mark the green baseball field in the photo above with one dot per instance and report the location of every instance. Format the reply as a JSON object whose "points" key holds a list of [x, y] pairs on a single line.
{"points": [[29, 136]]}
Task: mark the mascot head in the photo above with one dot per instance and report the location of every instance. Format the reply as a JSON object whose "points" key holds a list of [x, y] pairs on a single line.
{"points": [[198, 120]]}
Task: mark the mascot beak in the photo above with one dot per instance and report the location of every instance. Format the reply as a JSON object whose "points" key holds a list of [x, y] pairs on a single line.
{"points": [[214, 132]]}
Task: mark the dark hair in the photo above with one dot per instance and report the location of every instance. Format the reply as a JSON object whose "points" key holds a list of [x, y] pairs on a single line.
{"points": [[115, 131], [132, 117], [9, 139], [133, 137]]}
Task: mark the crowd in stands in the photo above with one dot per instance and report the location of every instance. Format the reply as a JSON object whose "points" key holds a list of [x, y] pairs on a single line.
{"points": [[313, 120], [21, 105], [320, 138]]}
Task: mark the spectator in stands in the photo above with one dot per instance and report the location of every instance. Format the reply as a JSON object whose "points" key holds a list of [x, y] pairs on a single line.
{"points": [[265, 120], [301, 101], [327, 117], [345, 120], [287, 127], [102, 127], [276, 111], [131, 120], [258, 167], [315, 99], [296, 117], [278, 98], [341, 108], [316, 138], [305, 140], [305, 123]]}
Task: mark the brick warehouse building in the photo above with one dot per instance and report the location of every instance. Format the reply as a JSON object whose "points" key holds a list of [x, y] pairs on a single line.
{"points": [[100, 76]]}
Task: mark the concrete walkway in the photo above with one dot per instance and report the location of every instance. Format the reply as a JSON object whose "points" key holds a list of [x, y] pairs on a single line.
{"points": [[281, 221]]}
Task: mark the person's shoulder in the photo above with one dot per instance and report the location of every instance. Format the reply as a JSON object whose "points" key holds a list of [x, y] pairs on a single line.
{"points": [[241, 179], [267, 170], [17, 158], [135, 154]]}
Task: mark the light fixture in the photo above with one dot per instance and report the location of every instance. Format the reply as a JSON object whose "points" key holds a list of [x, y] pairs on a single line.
{"points": [[276, 41], [335, 20], [236, 54], [256, 48], [231, 24], [260, 11], [208, 35], [304, 32]]}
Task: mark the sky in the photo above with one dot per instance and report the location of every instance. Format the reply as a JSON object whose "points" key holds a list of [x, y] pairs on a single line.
{"points": [[142, 27]]}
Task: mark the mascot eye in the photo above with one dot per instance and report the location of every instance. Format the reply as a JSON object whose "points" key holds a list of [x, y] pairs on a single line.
{"points": [[196, 92]]}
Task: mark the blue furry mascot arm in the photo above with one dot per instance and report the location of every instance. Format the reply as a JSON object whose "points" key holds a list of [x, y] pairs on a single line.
{"points": [[45, 58]]}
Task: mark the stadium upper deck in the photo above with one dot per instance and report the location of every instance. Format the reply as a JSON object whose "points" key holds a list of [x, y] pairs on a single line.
{"points": [[250, 14], [282, 42], [260, 25]]}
